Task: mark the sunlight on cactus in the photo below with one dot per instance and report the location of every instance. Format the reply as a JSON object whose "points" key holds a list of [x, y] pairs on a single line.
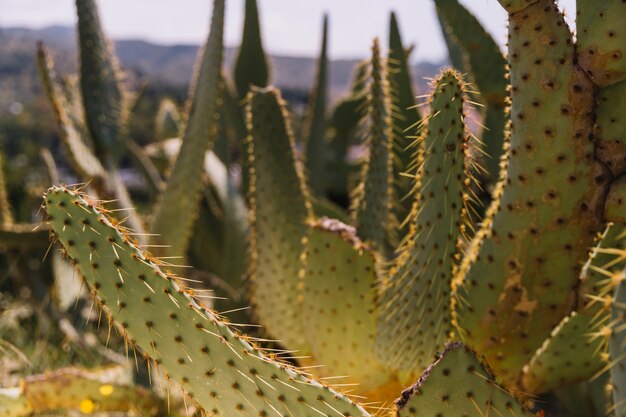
{"points": [[260, 268]]}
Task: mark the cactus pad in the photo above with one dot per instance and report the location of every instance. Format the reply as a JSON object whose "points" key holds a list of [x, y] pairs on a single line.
{"points": [[216, 367], [414, 312], [457, 384]]}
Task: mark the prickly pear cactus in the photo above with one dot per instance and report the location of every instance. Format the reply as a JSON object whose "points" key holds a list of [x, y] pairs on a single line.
{"points": [[338, 275], [219, 369]]}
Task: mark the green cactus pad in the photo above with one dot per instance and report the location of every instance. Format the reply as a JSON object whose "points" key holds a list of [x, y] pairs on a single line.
{"points": [[405, 123], [179, 203], [371, 209], [486, 66], [338, 280], [251, 67], [279, 209], [216, 367], [601, 47], [414, 310], [573, 353], [314, 133], [520, 274], [100, 83], [458, 384], [610, 128]]}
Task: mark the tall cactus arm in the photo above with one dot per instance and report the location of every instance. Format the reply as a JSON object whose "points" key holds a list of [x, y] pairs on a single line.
{"points": [[486, 66], [178, 207], [100, 83], [279, 209], [371, 209], [218, 368], [520, 274], [414, 320], [83, 160], [315, 126], [600, 40]]}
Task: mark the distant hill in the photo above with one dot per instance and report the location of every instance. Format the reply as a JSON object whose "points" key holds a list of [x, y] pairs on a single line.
{"points": [[148, 62]]}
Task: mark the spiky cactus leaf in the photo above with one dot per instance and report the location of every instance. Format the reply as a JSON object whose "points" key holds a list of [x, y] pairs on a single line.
{"points": [[519, 276], [100, 83], [405, 123], [279, 209], [458, 384], [342, 128], [371, 209], [218, 368], [486, 66], [600, 26], [251, 67], [178, 207], [414, 308], [168, 121], [84, 162], [339, 274], [315, 125]]}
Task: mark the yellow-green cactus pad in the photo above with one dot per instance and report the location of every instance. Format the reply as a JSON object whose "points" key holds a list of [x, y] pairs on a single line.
{"points": [[220, 369], [279, 209]]}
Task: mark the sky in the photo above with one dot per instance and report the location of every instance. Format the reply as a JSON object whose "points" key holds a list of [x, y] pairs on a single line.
{"points": [[289, 27]]}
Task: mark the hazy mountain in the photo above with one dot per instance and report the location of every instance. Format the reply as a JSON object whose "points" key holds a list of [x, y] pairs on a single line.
{"points": [[149, 62]]}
